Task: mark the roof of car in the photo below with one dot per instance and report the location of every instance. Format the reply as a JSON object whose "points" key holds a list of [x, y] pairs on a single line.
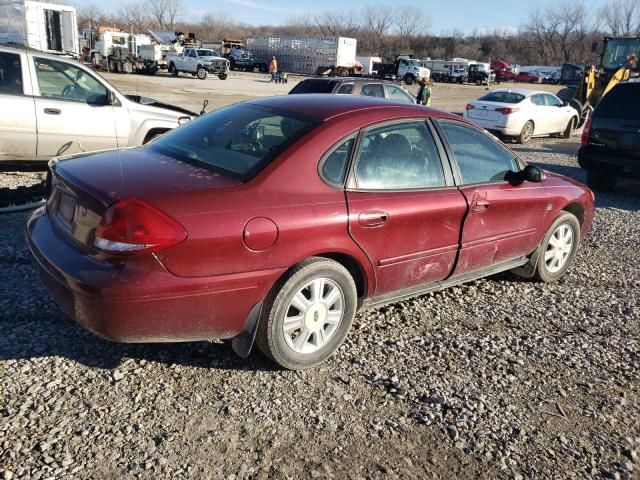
{"points": [[325, 106], [522, 91], [349, 79], [19, 47]]}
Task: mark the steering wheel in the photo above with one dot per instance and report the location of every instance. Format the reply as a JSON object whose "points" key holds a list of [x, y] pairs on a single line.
{"points": [[69, 91]]}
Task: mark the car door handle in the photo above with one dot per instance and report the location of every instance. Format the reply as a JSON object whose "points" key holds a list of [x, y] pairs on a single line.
{"points": [[374, 218], [52, 111], [480, 205]]}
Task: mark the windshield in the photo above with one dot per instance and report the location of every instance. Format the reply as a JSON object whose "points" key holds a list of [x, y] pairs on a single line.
{"points": [[618, 51], [414, 63], [207, 53], [238, 140], [502, 97]]}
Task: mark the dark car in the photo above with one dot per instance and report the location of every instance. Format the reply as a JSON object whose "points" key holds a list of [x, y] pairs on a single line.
{"points": [[354, 86], [281, 217], [611, 138]]}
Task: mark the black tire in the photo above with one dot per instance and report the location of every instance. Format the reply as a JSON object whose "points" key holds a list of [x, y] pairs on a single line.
{"points": [[526, 133], [478, 83], [543, 272], [201, 72], [570, 126], [222, 76], [600, 182], [408, 79], [173, 70], [271, 337]]}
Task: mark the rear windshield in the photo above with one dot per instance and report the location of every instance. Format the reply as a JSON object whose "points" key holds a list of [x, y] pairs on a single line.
{"points": [[314, 86], [238, 141], [503, 97], [621, 102]]}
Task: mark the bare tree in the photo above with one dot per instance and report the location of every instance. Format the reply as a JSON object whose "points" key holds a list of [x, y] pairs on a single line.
{"points": [[337, 23], [622, 17], [301, 24], [216, 26], [409, 21], [165, 13], [134, 16], [376, 24], [91, 15]]}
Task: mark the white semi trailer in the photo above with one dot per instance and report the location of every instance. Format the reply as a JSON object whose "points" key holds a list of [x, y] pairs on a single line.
{"points": [[310, 55], [47, 27]]}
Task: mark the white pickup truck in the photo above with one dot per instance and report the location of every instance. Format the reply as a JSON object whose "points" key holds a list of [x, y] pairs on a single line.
{"points": [[198, 62]]}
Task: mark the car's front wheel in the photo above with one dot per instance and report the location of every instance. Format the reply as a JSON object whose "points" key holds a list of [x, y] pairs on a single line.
{"points": [[569, 128], [558, 248], [308, 314], [201, 73]]}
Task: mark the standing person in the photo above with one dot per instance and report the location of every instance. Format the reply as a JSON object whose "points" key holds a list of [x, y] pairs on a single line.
{"points": [[273, 68], [424, 94]]}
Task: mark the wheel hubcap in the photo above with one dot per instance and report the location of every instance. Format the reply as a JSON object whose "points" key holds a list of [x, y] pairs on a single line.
{"points": [[313, 315], [559, 248]]}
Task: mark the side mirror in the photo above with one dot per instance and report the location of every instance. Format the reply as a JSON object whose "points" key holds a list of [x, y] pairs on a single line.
{"points": [[533, 174]]}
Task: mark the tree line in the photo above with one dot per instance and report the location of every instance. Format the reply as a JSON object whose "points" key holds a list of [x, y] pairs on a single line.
{"points": [[563, 32]]}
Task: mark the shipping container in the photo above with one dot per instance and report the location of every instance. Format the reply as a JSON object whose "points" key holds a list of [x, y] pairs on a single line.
{"points": [[307, 55], [44, 26]]}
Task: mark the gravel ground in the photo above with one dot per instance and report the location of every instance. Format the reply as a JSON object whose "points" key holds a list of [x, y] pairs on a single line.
{"points": [[499, 378]]}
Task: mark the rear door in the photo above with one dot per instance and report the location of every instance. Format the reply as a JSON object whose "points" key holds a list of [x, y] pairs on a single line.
{"points": [[18, 117], [73, 109], [615, 128], [503, 222], [404, 210]]}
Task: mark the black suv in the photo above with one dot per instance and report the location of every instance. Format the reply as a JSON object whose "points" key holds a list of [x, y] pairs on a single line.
{"points": [[354, 86], [611, 138]]}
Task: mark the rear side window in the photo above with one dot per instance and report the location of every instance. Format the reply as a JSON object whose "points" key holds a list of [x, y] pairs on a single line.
{"points": [[398, 94], [399, 156], [10, 73], [372, 90], [502, 97], [345, 89], [334, 168], [480, 158], [621, 102], [314, 86]]}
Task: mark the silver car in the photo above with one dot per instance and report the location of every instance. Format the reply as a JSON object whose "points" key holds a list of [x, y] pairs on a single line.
{"points": [[53, 105]]}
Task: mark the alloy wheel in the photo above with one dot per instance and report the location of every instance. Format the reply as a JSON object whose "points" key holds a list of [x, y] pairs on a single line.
{"points": [[313, 315], [559, 248]]}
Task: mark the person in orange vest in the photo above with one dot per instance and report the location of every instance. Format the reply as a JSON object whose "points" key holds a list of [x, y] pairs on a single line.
{"points": [[273, 68]]}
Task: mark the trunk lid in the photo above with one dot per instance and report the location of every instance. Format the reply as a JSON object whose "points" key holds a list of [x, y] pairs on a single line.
{"points": [[487, 110], [82, 187]]}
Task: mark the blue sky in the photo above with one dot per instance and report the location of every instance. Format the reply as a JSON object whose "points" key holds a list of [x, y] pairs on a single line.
{"points": [[463, 15]]}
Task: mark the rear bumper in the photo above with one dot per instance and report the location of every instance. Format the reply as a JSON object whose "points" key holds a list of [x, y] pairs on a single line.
{"points": [[494, 128], [136, 299], [614, 166]]}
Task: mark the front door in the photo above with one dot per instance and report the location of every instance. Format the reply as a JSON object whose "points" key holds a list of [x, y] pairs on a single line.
{"points": [[503, 219], [73, 110], [18, 117], [404, 211]]}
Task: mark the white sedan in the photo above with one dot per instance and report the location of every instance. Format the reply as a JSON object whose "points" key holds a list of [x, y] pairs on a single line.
{"points": [[522, 114]]}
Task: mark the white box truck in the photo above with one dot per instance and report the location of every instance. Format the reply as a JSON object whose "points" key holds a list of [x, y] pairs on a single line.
{"points": [[44, 26], [309, 55]]}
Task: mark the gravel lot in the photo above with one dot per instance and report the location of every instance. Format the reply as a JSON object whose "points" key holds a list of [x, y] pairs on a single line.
{"points": [[499, 378]]}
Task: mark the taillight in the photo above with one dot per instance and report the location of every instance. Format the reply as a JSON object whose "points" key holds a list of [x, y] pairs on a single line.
{"points": [[133, 226], [469, 107], [507, 110], [585, 132]]}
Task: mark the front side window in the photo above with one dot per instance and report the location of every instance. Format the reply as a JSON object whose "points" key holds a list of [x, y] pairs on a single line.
{"points": [[64, 81], [372, 90], [10, 73], [399, 156], [398, 94], [480, 158], [538, 100], [238, 140], [552, 100]]}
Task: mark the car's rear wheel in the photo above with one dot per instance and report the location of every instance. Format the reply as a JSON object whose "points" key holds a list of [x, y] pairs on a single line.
{"points": [[599, 181], [526, 133], [478, 83], [558, 248], [569, 129], [173, 70], [308, 314], [201, 73]]}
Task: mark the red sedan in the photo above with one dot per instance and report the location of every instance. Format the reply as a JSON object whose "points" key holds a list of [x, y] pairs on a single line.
{"points": [[280, 218]]}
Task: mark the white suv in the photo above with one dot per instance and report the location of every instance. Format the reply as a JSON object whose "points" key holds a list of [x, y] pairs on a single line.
{"points": [[53, 105]]}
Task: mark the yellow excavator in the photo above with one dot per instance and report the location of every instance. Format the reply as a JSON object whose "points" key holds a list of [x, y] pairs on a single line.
{"points": [[618, 62]]}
